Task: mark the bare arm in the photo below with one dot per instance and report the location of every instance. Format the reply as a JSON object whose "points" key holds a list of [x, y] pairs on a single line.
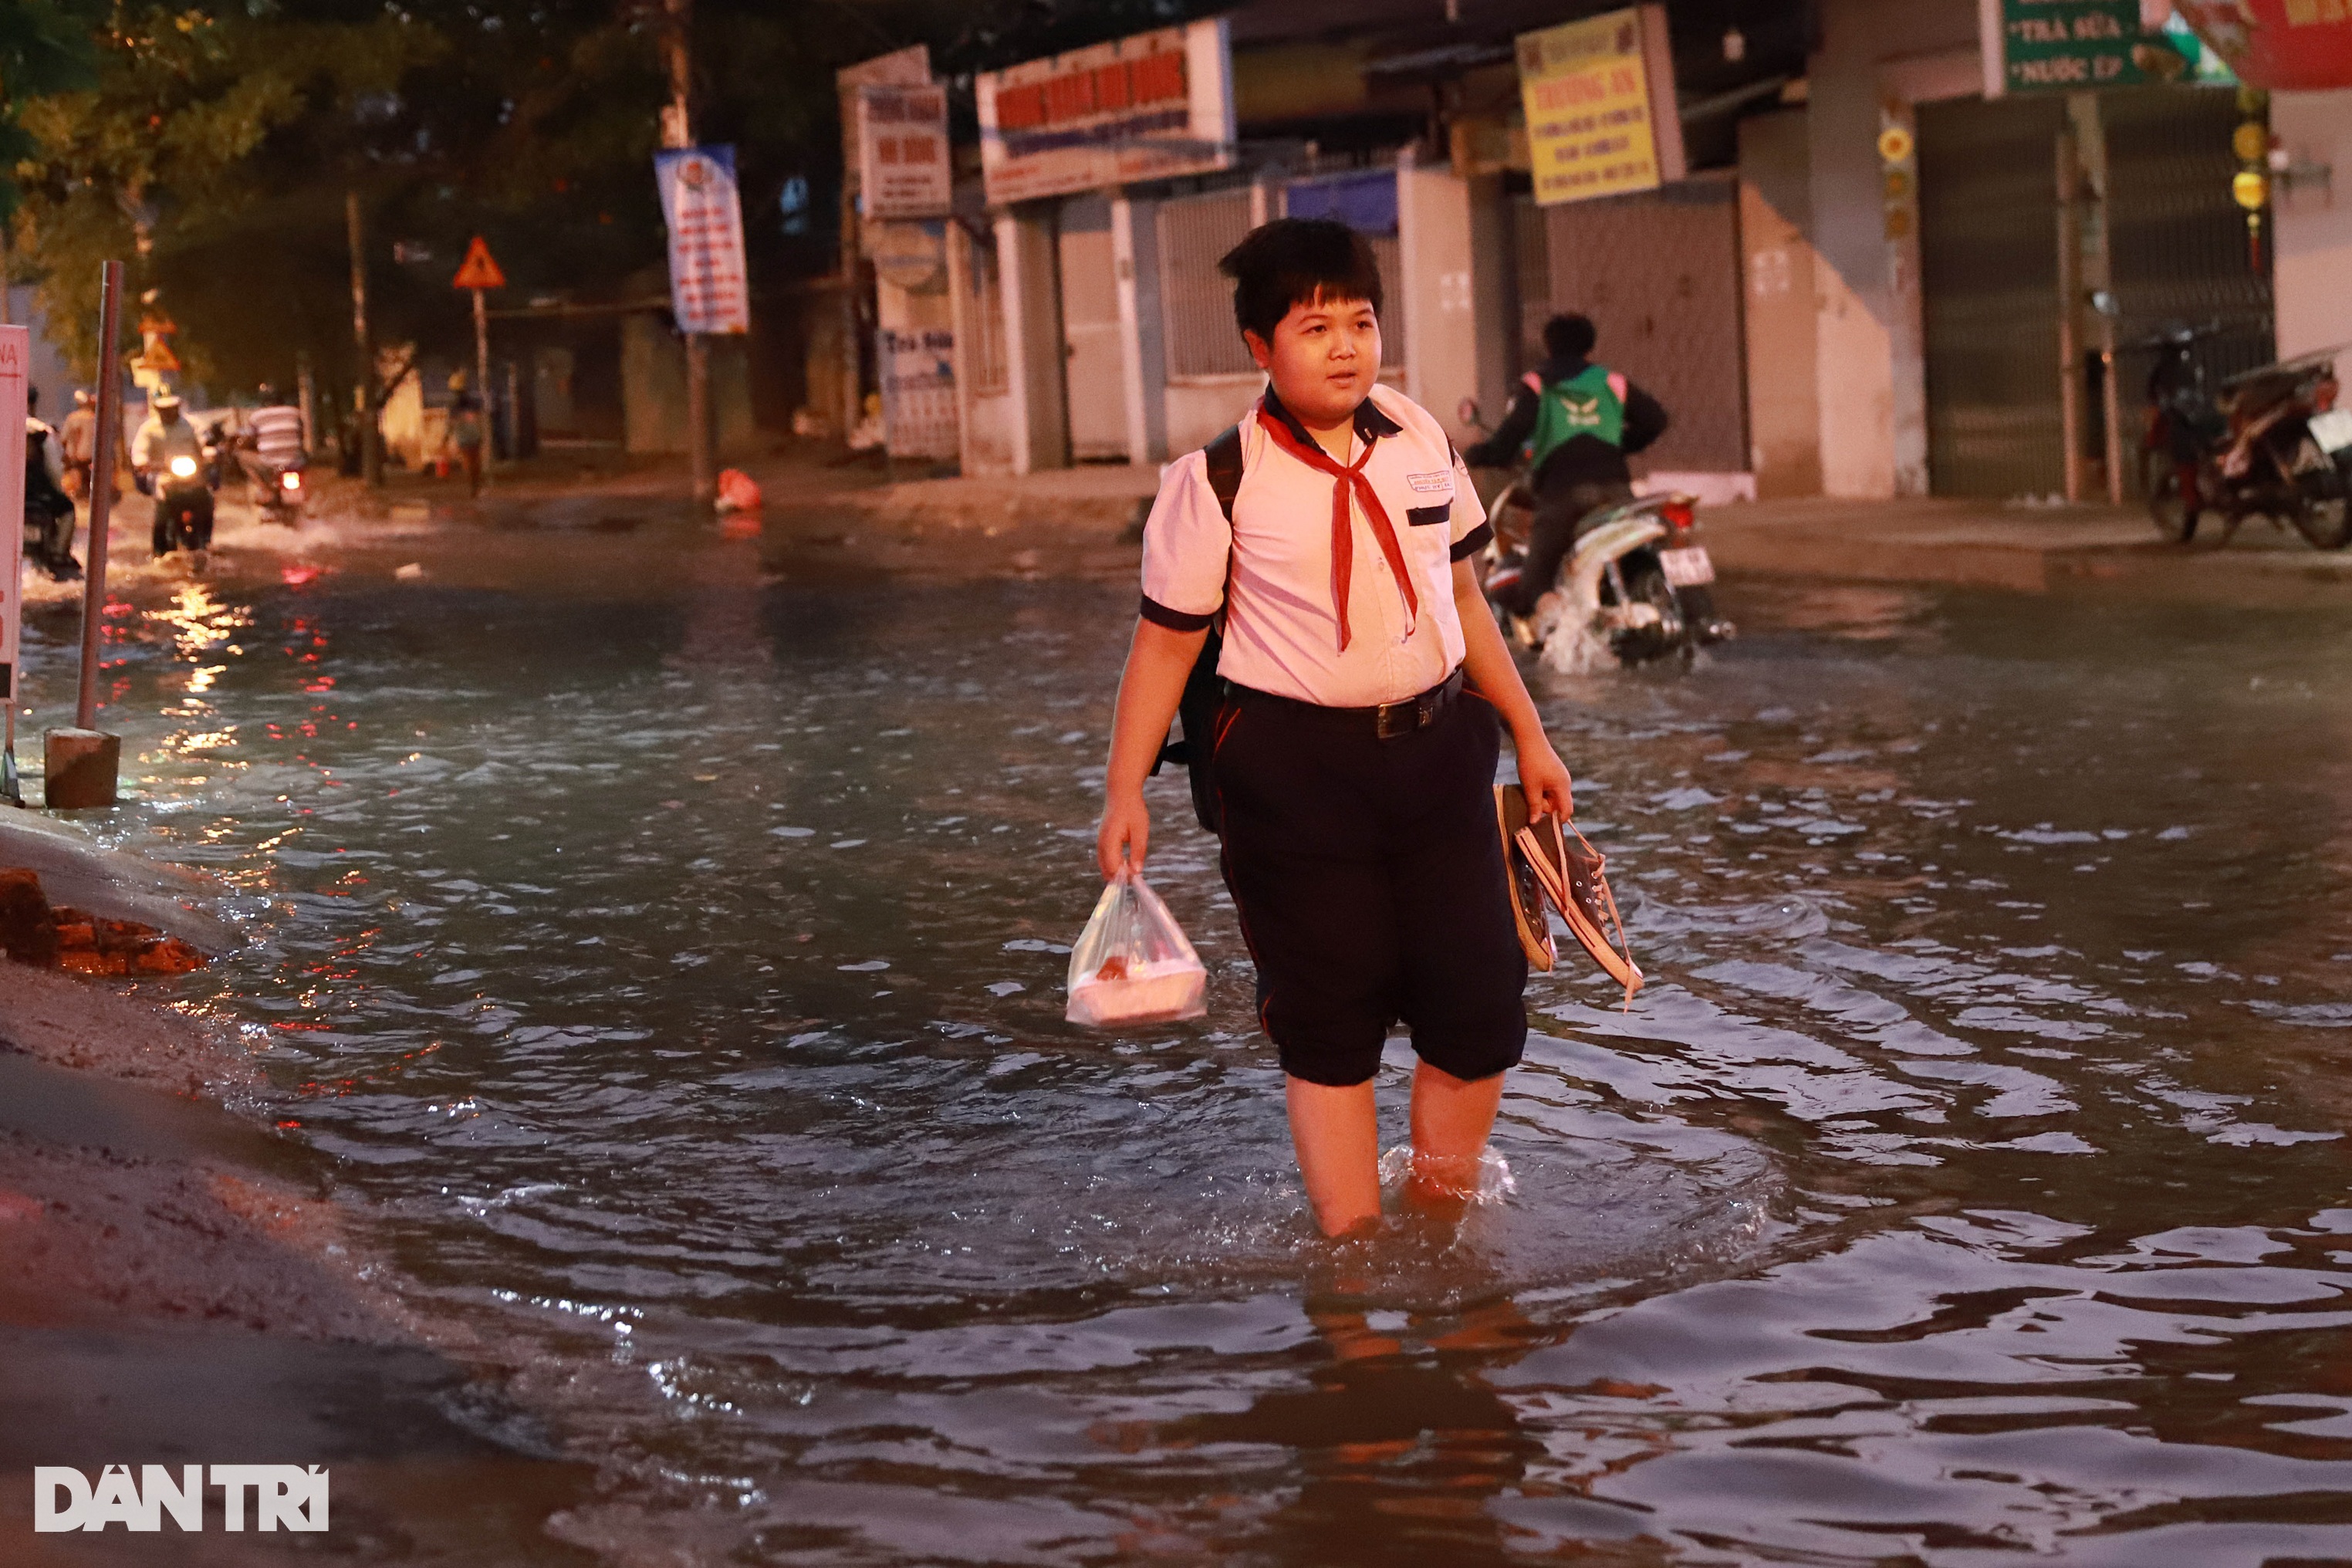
{"points": [[1488, 659], [1159, 661]]}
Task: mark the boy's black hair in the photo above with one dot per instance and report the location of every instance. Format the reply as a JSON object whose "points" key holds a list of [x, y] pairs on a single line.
{"points": [[1570, 336], [1293, 260]]}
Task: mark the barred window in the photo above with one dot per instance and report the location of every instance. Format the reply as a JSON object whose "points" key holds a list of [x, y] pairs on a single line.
{"points": [[1196, 302], [984, 360]]}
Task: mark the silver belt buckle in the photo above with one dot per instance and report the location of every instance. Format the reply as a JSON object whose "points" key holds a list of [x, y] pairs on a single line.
{"points": [[1391, 720]]}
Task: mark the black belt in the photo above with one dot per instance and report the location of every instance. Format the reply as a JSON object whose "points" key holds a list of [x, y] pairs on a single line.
{"points": [[1386, 722]]}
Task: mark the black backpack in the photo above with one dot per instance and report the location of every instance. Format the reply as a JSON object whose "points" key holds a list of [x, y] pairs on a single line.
{"points": [[1204, 692]]}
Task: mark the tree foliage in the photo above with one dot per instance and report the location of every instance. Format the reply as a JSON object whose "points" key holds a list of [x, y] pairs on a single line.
{"points": [[211, 144]]}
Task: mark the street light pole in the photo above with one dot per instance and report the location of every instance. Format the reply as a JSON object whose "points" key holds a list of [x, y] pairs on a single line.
{"points": [[678, 131]]}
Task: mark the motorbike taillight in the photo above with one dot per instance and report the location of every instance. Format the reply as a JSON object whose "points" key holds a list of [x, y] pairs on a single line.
{"points": [[2323, 397], [1679, 515]]}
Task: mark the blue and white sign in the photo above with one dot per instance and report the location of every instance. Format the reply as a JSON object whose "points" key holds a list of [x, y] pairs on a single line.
{"points": [[710, 291]]}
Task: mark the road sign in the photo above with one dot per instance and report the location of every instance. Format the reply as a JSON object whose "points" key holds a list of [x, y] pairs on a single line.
{"points": [[480, 269]]}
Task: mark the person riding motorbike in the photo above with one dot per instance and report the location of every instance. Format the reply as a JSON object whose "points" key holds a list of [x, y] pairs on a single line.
{"points": [[1574, 423], [164, 441], [272, 446], [48, 510]]}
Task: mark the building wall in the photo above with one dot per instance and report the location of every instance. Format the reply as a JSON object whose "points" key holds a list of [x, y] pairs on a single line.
{"points": [[1776, 235], [653, 390], [2312, 270], [1028, 276], [984, 405], [1875, 60], [1434, 236]]}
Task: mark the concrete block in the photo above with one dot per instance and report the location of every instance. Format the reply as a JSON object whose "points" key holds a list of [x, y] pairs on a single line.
{"points": [[82, 766]]}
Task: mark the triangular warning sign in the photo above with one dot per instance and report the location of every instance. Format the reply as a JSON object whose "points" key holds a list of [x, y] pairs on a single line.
{"points": [[478, 271]]}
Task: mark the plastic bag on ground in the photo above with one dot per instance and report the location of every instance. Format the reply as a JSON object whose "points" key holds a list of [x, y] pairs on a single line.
{"points": [[1132, 965], [737, 491]]}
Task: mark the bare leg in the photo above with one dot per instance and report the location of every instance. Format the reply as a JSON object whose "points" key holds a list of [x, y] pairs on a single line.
{"points": [[1338, 1142], [1450, 1119]]}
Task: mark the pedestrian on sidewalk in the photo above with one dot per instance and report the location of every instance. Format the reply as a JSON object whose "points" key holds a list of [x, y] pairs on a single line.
{"points": [[1573, 423], [1353, 763], [466, 431]]}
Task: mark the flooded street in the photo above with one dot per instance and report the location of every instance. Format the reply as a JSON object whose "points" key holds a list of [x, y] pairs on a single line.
{"points": [[673, 973]]}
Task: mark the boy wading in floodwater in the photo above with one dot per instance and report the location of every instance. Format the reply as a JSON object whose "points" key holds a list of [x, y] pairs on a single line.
{"points": [[1352, 765]]}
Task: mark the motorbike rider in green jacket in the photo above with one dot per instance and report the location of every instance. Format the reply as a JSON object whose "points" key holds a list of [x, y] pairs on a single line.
{"points": [[1573, 423]]}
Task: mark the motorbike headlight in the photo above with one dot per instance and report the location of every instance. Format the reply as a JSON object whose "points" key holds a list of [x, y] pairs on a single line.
{"points": [[290, 480], [183, 467]]}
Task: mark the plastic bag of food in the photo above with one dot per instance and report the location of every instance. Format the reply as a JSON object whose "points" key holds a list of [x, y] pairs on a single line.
{"points": [[1132, 965]]}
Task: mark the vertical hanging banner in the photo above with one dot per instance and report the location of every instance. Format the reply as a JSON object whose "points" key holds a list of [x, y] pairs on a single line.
{"points": [[1599, 102], [1150, 107], [902, 153], [710, 290], [16, 355]]}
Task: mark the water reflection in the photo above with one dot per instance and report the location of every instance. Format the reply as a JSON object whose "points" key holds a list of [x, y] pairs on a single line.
{"points": [[678, 976]]}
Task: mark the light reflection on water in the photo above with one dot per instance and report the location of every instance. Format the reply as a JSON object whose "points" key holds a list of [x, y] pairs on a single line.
{"points": [[680, 981]]}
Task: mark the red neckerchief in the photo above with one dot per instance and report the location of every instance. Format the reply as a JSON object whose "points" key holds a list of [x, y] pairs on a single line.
{"points": [[1343, 534]]}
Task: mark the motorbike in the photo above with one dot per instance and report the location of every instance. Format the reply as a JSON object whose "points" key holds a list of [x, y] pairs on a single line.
{"points": [[48, 511], [279, 490], [184, 502], [48, 534], [2271, 443], [1635, 587]]}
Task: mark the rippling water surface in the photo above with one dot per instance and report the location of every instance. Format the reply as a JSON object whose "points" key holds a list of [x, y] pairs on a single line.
{"points": [[676, 979]]}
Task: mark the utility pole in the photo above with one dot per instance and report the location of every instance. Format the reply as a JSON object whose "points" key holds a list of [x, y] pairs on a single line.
{"points": [[371, 438], [678, 132]]}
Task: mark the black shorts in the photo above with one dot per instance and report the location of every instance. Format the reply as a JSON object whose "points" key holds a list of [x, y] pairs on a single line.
{"points": [[1369, 877]]}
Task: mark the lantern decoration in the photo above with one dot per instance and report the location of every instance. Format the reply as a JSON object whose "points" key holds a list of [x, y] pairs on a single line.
{"points": [[2250, 187]]}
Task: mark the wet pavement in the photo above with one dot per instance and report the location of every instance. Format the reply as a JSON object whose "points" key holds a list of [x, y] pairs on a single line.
{"points": [[670, 967]]}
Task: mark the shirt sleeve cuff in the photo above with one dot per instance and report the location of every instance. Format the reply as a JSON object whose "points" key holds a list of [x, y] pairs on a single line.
{"points": [[1160, 614], [1467, 546]]}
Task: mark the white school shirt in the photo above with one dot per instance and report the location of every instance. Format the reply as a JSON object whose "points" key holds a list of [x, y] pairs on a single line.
{"points": [[1281, 635]]}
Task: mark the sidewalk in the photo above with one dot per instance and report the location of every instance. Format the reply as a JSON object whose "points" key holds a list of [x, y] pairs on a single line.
{"points": [[824, 516], [1989, 544]]}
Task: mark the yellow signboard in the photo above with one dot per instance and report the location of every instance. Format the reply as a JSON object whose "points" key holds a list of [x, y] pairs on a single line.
{"points": [[1600, 103]]}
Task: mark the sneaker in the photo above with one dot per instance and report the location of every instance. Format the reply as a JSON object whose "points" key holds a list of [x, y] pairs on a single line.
{"points": [[1519, 877], [1571, 874]]}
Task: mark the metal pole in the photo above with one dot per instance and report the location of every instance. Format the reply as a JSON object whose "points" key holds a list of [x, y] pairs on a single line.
{"points": [[2070, 310], [678, 131], [482, 379], [102, 487], [371, 438]]}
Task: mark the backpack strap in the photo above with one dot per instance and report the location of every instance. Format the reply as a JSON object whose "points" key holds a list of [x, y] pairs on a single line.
{"points": [[1203, 690], [1225, 456]]}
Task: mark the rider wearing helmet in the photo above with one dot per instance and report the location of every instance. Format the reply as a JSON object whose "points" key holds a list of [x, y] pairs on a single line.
{"points": [[1573, 423]]}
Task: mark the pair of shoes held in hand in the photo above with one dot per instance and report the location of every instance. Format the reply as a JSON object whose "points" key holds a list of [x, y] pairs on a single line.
{"points": [[1548, 862]]}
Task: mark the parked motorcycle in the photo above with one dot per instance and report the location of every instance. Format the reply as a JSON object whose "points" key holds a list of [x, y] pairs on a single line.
{"points": [[2271, 444], [1634, 586], [184, 502]]}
